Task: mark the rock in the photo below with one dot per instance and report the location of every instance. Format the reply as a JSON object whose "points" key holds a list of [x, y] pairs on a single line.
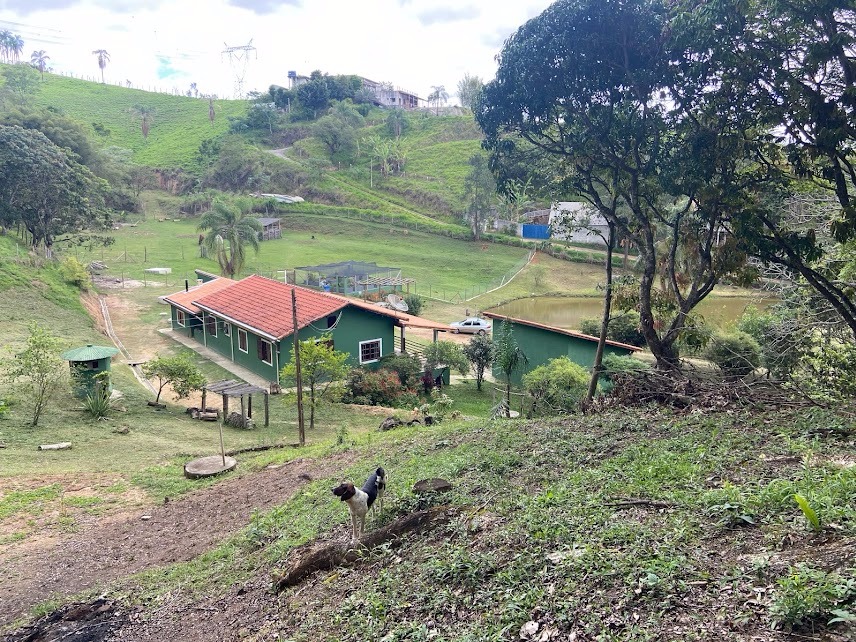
{"points": [[433, 485], [389, 423]]}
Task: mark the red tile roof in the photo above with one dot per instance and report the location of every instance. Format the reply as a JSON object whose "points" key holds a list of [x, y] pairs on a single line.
{"points": [[570, 333], [185, 298], [263, 304], [404, 318]]}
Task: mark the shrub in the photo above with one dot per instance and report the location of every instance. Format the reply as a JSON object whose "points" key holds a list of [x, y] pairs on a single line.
{"points": [[407, 366], [623, 328], [559, 385], [415, 303], [74, 272], [377, 387], [735, 353], [615, 364], [446, 353], [806, 594]]}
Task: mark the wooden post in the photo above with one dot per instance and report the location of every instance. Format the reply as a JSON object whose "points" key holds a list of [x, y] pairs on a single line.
{"points": [[243, 408], [250, 406], [222, 448], [300, 428], [204, 392], [267, 411], [403, 346], [225, 406]]}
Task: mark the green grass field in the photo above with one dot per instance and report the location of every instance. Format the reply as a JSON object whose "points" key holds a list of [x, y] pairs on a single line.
{"points": [[449, 266], [179, 124]]}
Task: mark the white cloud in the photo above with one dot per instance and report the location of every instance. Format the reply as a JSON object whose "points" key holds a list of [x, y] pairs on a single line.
{"points": [[170, 44]]}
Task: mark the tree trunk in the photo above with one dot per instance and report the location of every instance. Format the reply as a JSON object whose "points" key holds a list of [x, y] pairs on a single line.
{"points": [[311, 406], [664, 351], [597, 368]]}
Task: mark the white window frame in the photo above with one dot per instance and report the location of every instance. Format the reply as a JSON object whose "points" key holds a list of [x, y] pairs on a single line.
{"points": [[378, 341], [227, 329], [246, 348], [270, 363], [180, 318], [211, 334]]}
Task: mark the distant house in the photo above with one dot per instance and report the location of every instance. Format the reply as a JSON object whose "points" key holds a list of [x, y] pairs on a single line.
{"points": [[251, 322], [271, 228], [388, 96], [540, 343], [592, 226]]}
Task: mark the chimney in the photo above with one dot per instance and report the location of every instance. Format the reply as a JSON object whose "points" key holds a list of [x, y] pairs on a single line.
{"points": [[186, 285], [198, 282]]}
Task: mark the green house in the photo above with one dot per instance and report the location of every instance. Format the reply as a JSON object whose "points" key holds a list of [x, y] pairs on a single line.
{"points": [[251, 322], [540, 343], [88, 365]]}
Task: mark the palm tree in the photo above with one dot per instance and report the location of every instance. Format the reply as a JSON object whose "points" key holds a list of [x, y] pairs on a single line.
{"points": [[39, 60], [103, 59], [230, 229], [7, 42], [16, 47], [438, 96], [507, 357], [145, 114]]}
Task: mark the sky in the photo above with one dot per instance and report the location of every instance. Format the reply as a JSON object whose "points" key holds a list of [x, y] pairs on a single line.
{"points": [[169, 44]]}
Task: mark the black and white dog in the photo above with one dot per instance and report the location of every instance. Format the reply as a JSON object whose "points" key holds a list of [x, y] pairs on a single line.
{"points": [[360, 500]]}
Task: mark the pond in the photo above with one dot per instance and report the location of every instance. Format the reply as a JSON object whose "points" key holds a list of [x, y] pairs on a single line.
{"points": [[567, 312]]}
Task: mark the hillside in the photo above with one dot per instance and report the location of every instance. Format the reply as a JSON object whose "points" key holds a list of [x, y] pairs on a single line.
{"points": [[432, 184], [629, 524], [179, 124]]}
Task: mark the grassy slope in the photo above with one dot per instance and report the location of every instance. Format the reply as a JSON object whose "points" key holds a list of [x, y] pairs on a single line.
{"points": [[179, 124], [623, 525], [437, 150]]}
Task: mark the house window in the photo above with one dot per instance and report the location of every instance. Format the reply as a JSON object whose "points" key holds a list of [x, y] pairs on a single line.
{"points": [[265, 352], [370, 351], [179, 317], [211, 326], [227, 329], [331, 320], [242, 340]]}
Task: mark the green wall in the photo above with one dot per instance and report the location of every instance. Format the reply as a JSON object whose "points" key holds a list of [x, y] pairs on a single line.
{"points": [[541, 345], [191, 322], [353, 326]]}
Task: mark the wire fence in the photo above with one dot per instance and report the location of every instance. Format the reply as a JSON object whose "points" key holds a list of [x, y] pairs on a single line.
{"points": [[477, 290]]}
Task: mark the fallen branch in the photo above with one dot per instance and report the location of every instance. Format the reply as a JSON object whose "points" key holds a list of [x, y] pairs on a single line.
{"points": [[64, 445], [306, 560], [256, 449]]}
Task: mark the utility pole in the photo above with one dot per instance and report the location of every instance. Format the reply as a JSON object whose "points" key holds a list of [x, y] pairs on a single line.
{"points": [[300, 429], [239, 58]]}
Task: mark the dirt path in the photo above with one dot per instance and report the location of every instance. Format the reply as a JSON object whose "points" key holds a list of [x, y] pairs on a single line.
{"points": [[176, 531]]}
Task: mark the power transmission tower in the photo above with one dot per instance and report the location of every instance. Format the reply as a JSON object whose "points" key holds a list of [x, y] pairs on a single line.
{"points": [[239, 58]]}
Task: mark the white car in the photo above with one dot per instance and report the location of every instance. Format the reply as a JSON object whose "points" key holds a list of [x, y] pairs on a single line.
{"points": [[471, 326]]}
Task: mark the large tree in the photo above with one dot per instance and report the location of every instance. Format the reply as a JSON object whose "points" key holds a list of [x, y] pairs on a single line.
{"points": [[595, 87], [469, 88], [792, 68], [44, 188], [230, 229], [479, 193]]}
